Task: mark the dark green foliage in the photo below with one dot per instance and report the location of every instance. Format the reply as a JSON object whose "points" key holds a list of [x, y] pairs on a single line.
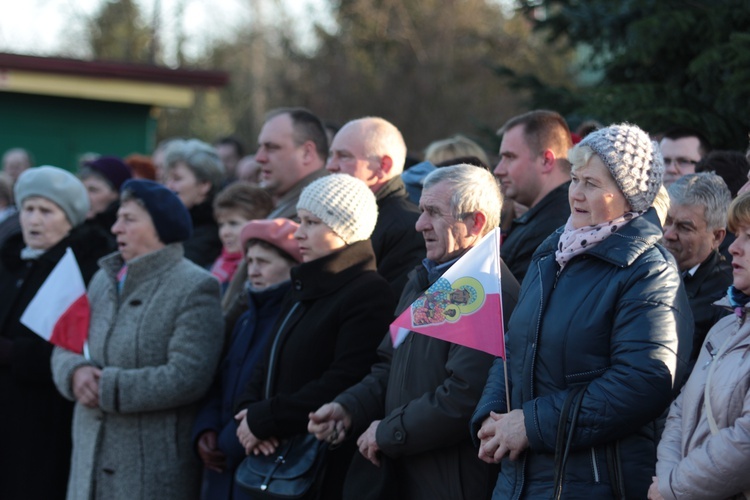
{"points": [[662, 62]]}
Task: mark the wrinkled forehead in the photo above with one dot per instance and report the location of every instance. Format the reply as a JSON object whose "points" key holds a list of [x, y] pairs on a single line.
{"points": [[437, 198]]}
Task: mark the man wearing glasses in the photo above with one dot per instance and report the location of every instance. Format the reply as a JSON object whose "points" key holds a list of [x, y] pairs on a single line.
{"points": [[682, 148]]}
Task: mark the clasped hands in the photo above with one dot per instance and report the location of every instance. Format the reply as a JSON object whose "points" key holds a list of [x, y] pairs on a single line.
{"points": [[502, 434], [250, 442], [331, 422]]}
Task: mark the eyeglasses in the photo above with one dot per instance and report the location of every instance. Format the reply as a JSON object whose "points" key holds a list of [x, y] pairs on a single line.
{"points": [[679, 162]]}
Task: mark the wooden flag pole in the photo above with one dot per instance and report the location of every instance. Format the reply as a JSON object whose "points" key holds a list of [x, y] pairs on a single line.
{"points": [[507, 389]]}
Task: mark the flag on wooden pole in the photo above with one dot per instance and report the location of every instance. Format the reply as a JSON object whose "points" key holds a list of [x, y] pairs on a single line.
{"points": [[464, 305]]}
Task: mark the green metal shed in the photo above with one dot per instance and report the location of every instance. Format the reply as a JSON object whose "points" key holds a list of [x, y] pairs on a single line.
{"points": [[60, 109]]}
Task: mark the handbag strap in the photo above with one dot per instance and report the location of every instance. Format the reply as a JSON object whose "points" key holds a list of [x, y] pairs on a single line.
{"points": [[280, 460], [565, 439]]}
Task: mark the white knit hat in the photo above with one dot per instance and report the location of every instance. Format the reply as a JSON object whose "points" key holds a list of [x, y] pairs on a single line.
{"points": [[344, 203], [633, 159]]}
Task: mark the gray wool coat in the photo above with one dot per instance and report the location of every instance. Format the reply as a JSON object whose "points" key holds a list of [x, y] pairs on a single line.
{"points": [[158, 343]]}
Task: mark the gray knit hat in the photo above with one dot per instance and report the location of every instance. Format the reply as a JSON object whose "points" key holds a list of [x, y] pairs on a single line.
{"points": [[57, 185], [632, 158], [343, 203]]}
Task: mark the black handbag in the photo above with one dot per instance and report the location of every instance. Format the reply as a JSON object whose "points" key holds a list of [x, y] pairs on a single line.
{"points": [[291, 472]]}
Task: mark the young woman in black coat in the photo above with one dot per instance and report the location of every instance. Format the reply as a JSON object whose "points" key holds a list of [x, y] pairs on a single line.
{"points": [[325, 340]]}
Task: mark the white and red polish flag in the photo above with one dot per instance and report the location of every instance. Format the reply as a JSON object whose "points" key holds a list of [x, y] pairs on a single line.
{"points": [[464, 305], [60, 312]]}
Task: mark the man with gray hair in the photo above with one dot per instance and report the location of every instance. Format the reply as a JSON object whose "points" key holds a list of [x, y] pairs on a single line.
{"points": [[373, 150], [694, 229], [410, 415]]}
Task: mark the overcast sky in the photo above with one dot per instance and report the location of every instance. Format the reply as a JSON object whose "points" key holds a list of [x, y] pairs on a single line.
{"points": [[45, 27]]}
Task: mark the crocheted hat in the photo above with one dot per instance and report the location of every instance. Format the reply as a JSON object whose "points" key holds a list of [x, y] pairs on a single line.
{"points": [[57, 185], [632, 158], [170, 217], [343, 203]]}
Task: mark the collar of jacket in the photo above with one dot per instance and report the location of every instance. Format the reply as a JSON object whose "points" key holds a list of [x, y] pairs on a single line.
{"points": [[551, 198], [257, 299], [623, 247], [84, 240], [320, 277], [393, 188], [288, 201], [146, 266]]}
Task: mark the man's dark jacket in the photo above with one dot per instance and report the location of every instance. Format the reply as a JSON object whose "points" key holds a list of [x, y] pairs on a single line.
{"points": [[397, 244], [424, 393], [706, 286], [532, 228]]}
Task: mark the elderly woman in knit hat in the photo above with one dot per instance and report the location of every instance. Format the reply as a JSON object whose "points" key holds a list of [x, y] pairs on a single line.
{"points": [[154, 342], [35, 419], [270, 252], [598, 344], [330, 325], [195, 173]]}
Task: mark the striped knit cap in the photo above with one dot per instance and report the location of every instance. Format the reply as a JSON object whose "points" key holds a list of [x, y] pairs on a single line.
{"points": [[633, 159], [343, 203]]}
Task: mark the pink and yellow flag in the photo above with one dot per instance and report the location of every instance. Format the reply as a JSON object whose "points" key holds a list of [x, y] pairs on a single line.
{"points": [[464, 305], [60, 312]]}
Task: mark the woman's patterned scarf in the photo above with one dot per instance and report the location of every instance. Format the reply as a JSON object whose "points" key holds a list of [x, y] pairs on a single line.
{"points": [[577, 241]]}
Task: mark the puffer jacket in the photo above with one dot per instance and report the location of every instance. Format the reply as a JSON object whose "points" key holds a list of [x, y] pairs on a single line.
{"points": [[614, 324], [692, 463]]}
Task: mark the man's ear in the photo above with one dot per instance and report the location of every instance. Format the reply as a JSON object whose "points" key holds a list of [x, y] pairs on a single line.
{"points": [[309, 151], [478, 221], [386, 165], [548, 160], [719, 235]]}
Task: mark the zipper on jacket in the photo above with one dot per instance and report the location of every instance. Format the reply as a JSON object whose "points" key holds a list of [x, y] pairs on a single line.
{"points": [[594, 466], [272, 359]]}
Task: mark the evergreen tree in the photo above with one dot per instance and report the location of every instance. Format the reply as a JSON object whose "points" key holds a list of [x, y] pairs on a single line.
{"points": [[660, 63]]}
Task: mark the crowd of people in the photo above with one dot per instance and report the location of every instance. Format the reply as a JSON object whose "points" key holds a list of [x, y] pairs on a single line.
{"points": [[240, 304]]}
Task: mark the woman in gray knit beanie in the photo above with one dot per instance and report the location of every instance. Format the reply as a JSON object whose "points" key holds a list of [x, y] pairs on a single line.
{"points": [[330, 326], [599, 340]]}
